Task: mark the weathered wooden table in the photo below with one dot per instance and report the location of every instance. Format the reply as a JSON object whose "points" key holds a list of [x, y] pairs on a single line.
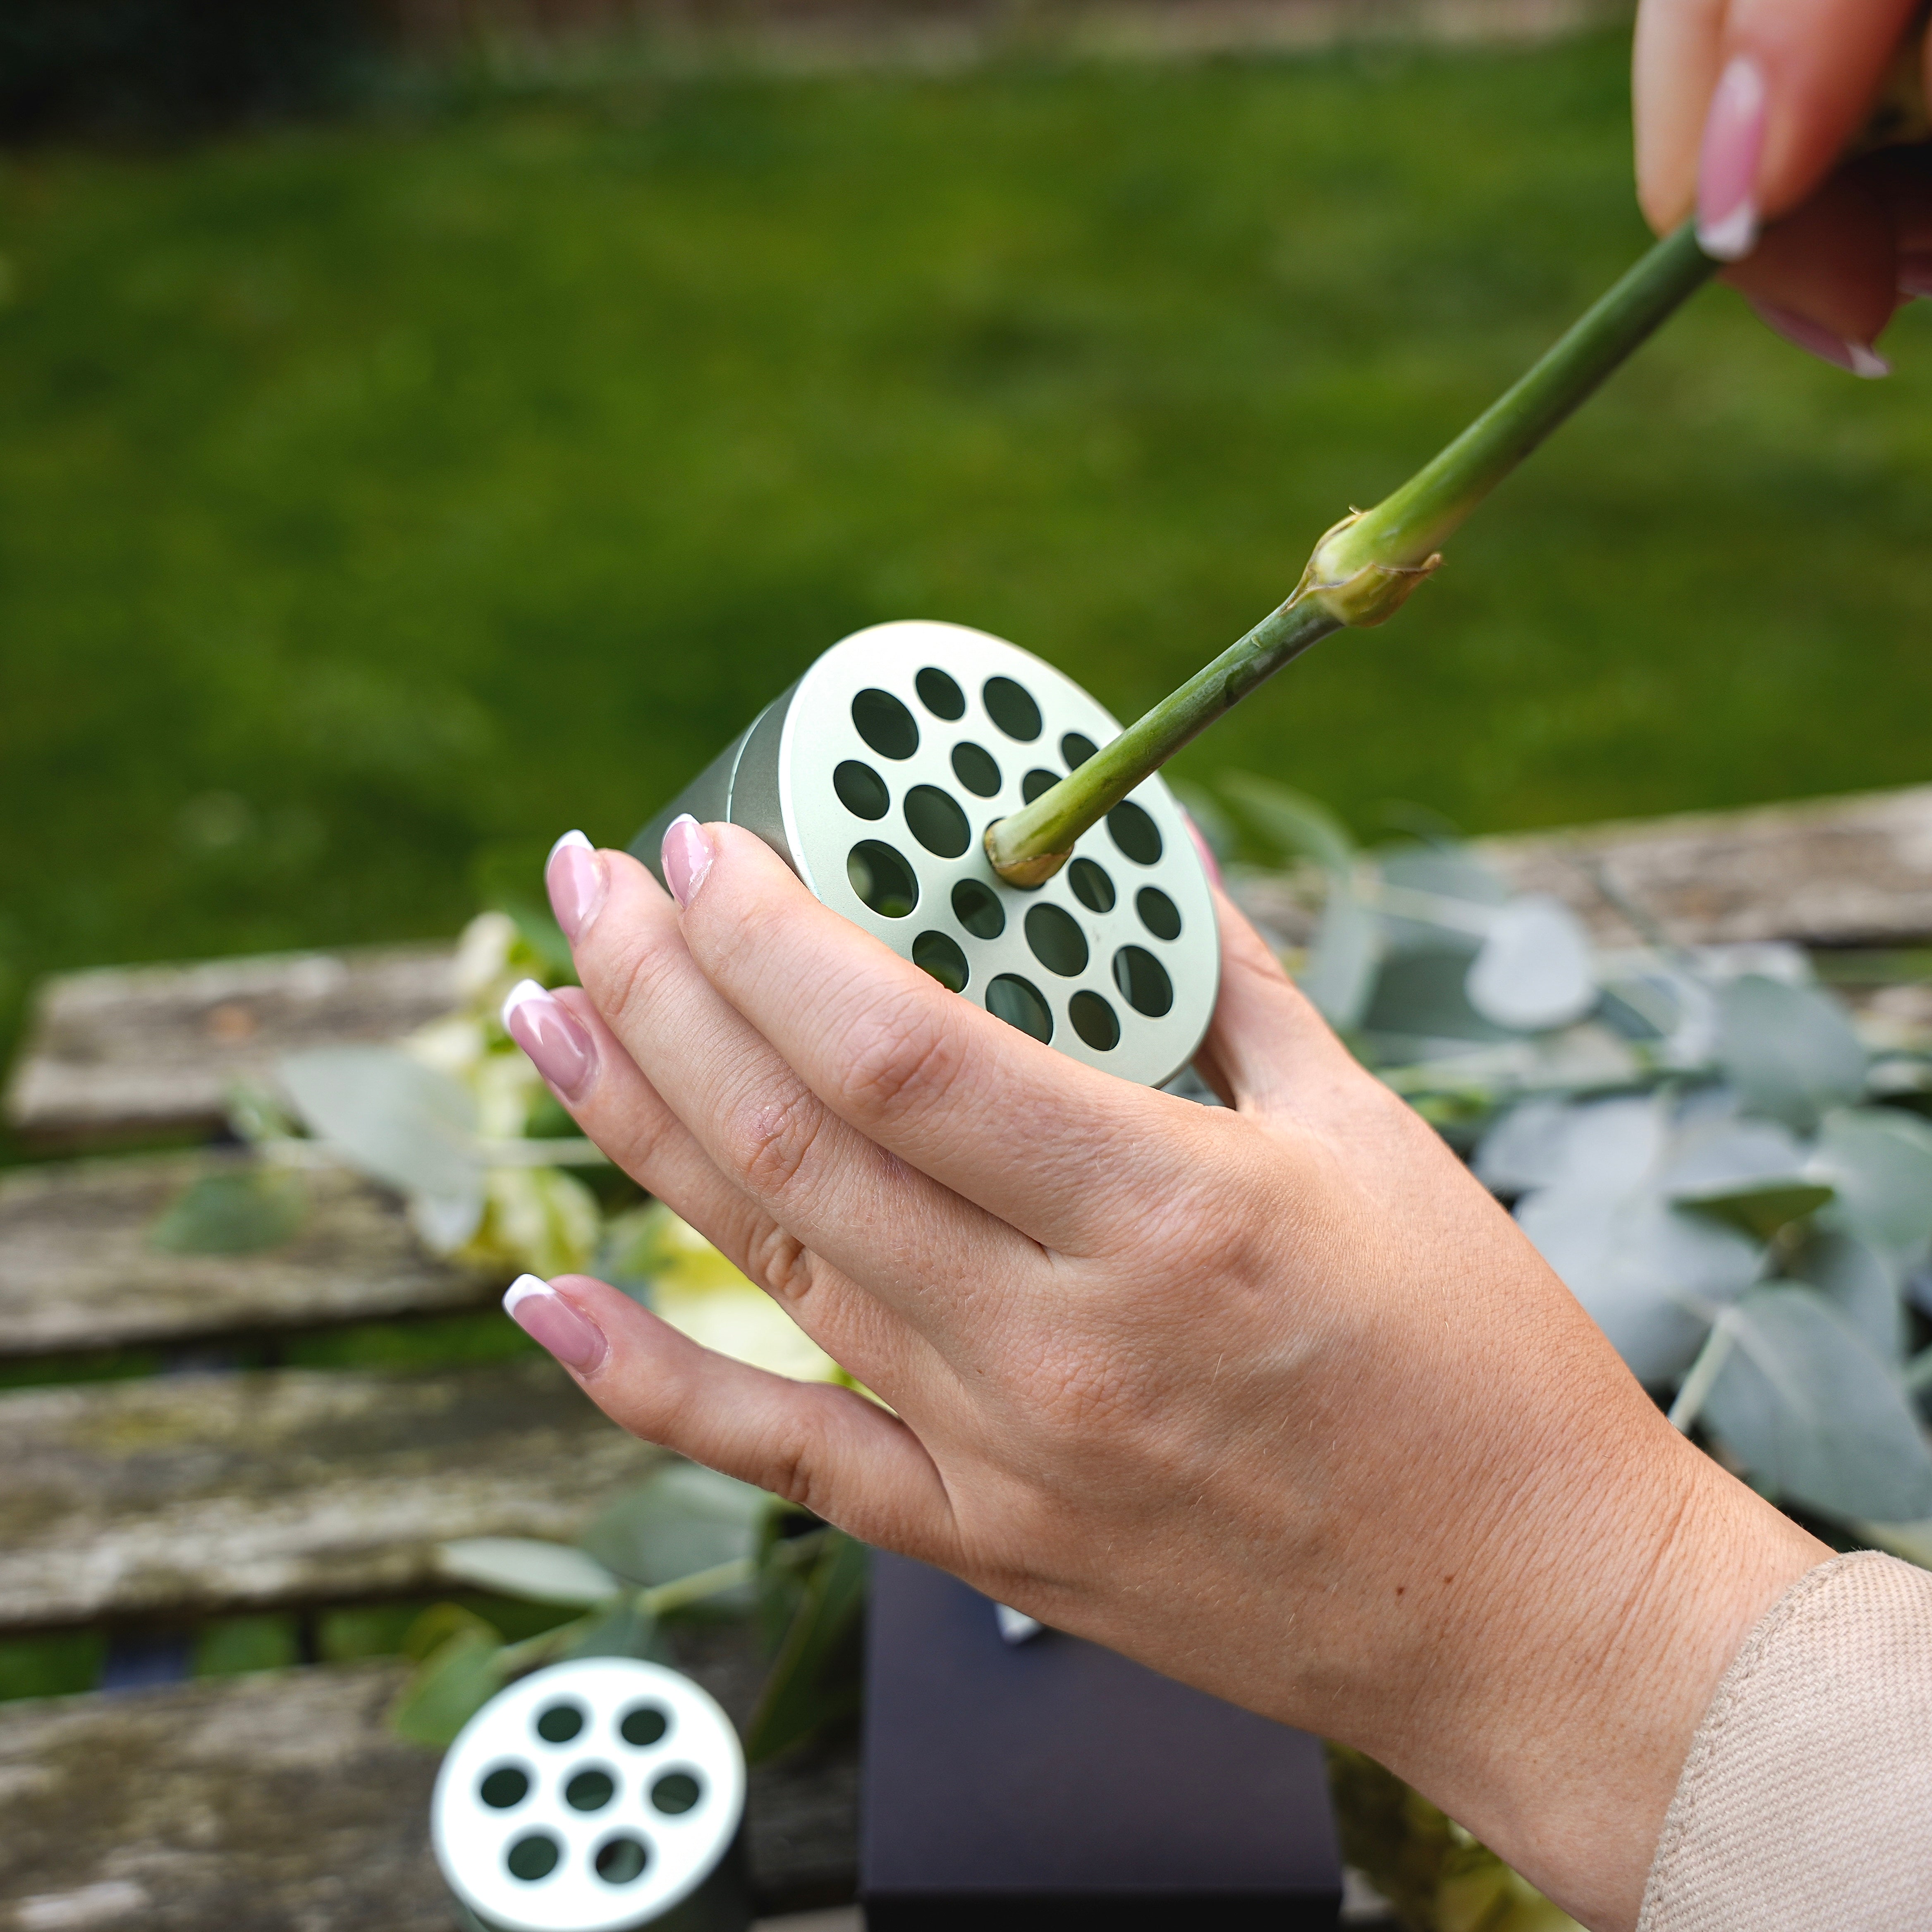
{"points": [[279, 1800]]}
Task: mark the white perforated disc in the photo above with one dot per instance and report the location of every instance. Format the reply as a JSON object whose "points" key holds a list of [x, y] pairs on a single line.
{"points": [[515, 1791], [901, 745]]}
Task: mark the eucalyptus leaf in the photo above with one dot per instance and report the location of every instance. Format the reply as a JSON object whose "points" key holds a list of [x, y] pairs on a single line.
{"points": [[237, 1213], [1860, 1282], [390, 1117], [1340, 972], [1879, 1160], [1523, 1148], [624, 1628], [1445, 871], [1423, 995], [1293, 823], [1789, 1051], [1760, 1209], [1751, 1173], [1533, 970], [1612, 1146], [683, 1519], [815, 1679], [450, 1686], [1640, 1267], [1810, 1409], [519, 1566]]}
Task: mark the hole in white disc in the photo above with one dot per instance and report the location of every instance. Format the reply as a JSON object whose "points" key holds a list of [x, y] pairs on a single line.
{"points": [[1076, 748], [882, 879], [978, 909], [504, 1787], [1037, 782], [533, 1857], [1091, 886], [885, 724], [1159, 913], [975, 770], [590, 1791], [1094, 1021], [1143, 981], [676, 1793], [1018, 1002], [1135, 832], [933, 952], [1057, 943], [1011, 707], [936, 822], [940, 694], [642, 1724], [861, 790], [623, 1861], [558, 1723]]}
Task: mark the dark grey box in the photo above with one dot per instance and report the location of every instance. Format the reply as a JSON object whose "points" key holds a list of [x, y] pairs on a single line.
{"points": [[1053, 1784]]}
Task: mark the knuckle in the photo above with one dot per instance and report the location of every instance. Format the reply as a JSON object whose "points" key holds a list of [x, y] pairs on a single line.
{"points": [[790, 1466], [782, 1264], [773, 1139], [895, 1056]]}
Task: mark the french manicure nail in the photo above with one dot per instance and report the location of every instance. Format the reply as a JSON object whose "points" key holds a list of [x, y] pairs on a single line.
{"points": [[687, 857], [559, 1048], [1857, 357], [543, 1314], [1915, 273], [1727, 165], [574, 876]]}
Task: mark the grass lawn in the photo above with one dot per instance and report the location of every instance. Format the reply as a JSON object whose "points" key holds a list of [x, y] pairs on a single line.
{"points": [[378, 500]]}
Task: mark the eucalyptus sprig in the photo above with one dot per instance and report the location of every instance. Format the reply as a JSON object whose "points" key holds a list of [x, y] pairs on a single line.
{"points": [[1366, 567]]}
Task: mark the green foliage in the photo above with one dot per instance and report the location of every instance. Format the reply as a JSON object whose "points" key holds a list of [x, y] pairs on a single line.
{"points": [[379, 500], [233, 1214], [814, 1680]]}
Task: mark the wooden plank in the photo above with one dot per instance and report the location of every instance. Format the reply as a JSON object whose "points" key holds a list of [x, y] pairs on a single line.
{"points": [[128, 1050], [1835, 872], [77, 1271], [281, 1803], [181, 1495]]}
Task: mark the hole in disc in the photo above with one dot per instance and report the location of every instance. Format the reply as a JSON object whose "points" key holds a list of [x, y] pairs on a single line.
{"points": [[1091, 886], [936, 822], [975, 770], [676, 1793], [978, 909], [1094, 1021], [558, 1723], [504, 1787], [532, 1858], [1135, 832], [933, 952], [939, 693], [1076, 749], [1019, 1003], [1143, 981], [1037, 782], [1057, 943], [885, 724], [1011, 707], [861, 790], [643, 1724], [589, 1791], [623, 1861], [1159, 913], [882, 879]]}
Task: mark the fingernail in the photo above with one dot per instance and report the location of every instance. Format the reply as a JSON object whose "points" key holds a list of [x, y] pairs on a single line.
{"points": [[687, 857], [574, 876], [1857, 357], [1727, 167], [1915, 273], [543, 1314], [559, 1048]]}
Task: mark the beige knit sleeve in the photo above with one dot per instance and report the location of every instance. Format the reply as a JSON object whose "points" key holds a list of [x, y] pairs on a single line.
{"points": [[1806, 1802]]}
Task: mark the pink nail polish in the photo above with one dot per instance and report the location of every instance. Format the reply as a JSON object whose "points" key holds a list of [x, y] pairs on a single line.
{"points": [[543, 1314], [1727, 165], [575, 878], [559, 1048], [1915, 274], [1856, 357], [687, 858]]}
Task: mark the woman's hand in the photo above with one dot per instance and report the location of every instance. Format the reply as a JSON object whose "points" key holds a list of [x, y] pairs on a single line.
{"points": [[1275, 1399], [1744, 109]]}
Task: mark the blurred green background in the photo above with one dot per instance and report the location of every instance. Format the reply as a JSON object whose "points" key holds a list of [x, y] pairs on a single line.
{"points": [[381, 497]]}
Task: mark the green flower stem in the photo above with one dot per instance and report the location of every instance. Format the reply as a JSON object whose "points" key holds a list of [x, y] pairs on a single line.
{"points": [[1366, 566]]}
